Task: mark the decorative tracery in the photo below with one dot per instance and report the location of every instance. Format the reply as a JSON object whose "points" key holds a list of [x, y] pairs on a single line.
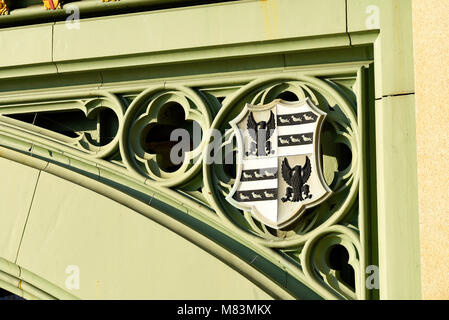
{"points": [[323, 249]]}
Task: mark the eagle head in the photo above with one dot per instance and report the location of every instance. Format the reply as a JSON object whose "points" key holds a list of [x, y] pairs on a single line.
{"points": [[262, 125], [296, 170]]}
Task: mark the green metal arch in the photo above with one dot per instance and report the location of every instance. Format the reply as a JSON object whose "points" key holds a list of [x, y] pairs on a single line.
{"points": [[270, 277]]}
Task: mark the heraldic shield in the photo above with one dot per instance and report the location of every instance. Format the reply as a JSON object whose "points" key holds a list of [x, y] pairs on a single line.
{"points": [[279, 171]]}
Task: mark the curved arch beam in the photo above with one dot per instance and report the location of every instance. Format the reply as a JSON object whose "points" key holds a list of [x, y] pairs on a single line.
{"points": [[229, 250]]}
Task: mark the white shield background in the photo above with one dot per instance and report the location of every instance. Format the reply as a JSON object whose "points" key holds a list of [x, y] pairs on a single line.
{"points": [[260, 185]]}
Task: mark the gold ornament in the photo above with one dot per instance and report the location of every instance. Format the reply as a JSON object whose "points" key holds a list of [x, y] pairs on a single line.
{"points": [[4, 8], [52, 4]]}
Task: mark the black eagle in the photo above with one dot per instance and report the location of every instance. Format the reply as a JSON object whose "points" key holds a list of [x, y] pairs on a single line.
{"points": [[261, 132], [296, 178]]}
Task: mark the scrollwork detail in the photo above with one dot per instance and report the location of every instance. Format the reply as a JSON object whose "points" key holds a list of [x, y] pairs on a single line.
{"points": [[73, 122], [342, 278], [92, 108]]}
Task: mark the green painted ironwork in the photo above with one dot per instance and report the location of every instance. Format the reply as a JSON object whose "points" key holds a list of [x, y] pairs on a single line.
{"points": [[335, 222], [343, 70]]}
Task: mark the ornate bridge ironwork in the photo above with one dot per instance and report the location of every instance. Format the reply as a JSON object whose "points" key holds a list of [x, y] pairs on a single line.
{"points": [[104, 135]]}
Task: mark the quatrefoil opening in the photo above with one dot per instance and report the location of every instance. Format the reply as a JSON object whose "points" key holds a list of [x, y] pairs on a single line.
{"points": [[152, 128], [157, 137]]}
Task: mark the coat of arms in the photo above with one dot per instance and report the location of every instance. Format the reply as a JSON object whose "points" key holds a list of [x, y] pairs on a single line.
{"points": [[279, 166]]}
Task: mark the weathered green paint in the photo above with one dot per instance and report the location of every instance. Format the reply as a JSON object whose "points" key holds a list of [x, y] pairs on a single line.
{"points": [[197, 47], [393, 47], [121, 254], [396, 146], [17, 190], [399, 256]]}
